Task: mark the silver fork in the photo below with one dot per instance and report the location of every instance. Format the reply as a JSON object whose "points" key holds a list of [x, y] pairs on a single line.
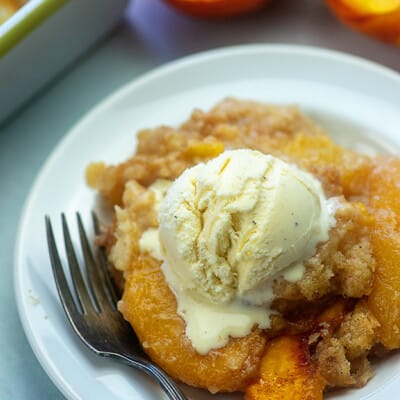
{"points": [[94, 315]]}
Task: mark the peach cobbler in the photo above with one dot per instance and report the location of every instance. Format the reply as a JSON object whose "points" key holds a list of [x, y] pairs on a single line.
{"points": [[254, 254], [9, 8]]}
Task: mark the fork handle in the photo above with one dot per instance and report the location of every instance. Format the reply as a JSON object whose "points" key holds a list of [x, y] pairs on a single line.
{"points": [[170, 388]]}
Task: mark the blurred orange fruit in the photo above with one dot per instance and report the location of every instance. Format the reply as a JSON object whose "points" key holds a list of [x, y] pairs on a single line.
{"points": [[218, 8], [379, 18]]}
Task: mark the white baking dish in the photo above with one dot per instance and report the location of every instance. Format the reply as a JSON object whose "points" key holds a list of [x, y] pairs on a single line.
{"points": [[42, 38]]}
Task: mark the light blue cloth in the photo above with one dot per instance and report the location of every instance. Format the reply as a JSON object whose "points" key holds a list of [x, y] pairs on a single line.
{"points": [[152, 34]]}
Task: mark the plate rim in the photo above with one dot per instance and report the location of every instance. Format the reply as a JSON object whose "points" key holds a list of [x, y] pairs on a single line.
{"points": [[133, 84]]}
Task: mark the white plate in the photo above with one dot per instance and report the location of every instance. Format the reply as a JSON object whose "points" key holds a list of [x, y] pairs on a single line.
{"points": [[356, 100]]}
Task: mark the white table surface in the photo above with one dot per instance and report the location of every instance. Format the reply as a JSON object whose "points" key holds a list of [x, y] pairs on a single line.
{"points": [[151, 34]]}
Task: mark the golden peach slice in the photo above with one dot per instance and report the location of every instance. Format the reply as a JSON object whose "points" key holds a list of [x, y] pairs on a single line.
{"points": [[378, 18], [287, 372], [150, 307], [384, 300]]}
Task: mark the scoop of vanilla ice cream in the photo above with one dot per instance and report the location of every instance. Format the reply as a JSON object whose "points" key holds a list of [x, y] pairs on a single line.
{"points": [[231, 225]]}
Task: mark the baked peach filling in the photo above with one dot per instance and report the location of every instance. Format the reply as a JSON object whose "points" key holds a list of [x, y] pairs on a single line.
{"points": [[325, 319]]}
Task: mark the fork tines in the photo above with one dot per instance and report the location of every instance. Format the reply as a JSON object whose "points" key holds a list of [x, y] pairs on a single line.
{"points": [[97, 293]]}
